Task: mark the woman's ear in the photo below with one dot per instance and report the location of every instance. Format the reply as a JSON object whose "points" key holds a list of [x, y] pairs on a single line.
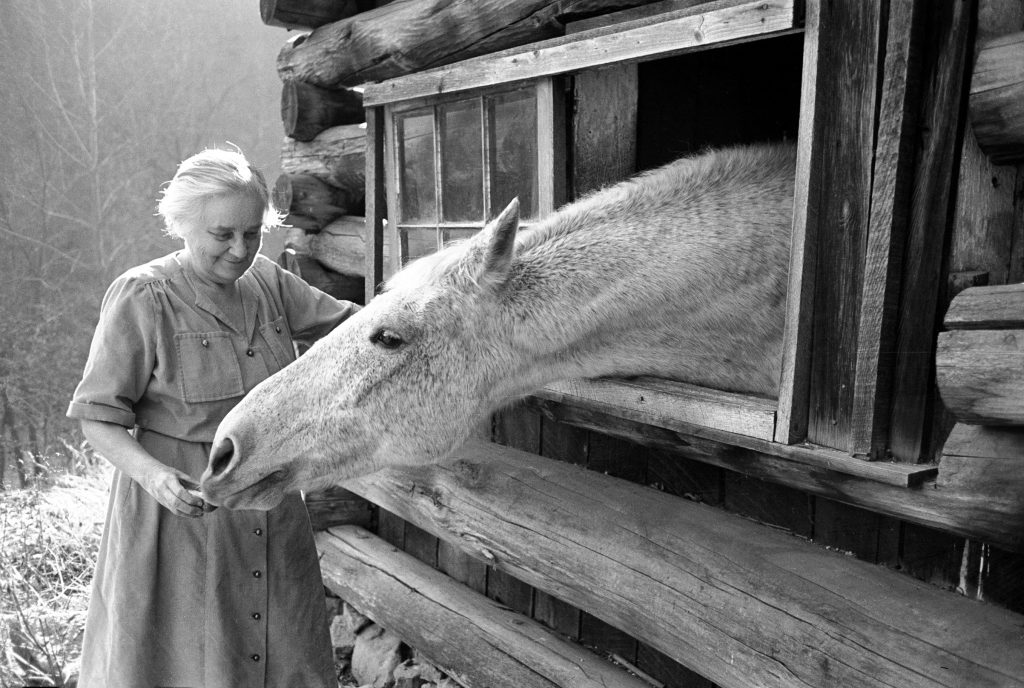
{"points": [[500, 238]]}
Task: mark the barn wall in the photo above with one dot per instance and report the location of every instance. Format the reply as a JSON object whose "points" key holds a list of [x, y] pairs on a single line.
{"points": [[983, 242]]}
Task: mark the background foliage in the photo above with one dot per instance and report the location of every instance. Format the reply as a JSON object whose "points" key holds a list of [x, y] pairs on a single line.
{"points": [[101, 100]]}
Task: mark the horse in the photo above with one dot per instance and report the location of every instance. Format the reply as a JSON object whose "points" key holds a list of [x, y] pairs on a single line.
{"points": [[678, 272]]}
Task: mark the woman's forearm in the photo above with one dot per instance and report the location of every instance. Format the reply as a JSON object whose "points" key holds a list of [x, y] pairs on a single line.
{"points": [[172, 488], [114, 443]]}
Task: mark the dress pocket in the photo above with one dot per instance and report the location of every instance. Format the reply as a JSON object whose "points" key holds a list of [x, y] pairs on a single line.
{"points": [[209, 369]]}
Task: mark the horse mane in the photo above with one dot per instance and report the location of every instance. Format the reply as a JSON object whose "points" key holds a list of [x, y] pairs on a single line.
{"points": [[681, 183]]}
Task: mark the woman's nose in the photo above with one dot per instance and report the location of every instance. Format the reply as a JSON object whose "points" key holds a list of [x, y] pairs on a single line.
{"points": [[238, 248]]}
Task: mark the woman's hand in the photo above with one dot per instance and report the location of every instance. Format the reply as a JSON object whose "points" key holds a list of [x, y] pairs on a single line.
{"points": [[172, 488], [176, 491]]}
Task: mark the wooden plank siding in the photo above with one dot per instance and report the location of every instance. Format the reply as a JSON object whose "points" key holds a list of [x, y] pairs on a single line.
{"points": [[913, 387], [847, 102], [890, 200], [586, 538], [693, 28]]}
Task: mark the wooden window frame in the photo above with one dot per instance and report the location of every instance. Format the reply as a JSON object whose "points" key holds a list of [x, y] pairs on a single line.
{"points": [[777, 427]]}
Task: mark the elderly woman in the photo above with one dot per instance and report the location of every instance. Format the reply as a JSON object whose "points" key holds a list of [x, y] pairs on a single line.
{"points": [[185, 595]]}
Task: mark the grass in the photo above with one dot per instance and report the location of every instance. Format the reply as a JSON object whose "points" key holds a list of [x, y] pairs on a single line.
{"points": [[49, 537]]}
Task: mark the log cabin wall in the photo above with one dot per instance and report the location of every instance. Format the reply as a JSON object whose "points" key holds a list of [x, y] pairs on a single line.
{"points": [[911, 199]]}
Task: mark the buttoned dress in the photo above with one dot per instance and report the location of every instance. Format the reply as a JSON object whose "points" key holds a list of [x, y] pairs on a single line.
{"points": [[233, 599]]}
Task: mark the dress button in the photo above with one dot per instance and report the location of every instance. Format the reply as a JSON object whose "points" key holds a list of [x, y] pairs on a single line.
{"points": [[206, 342], [256, 615], [250, 353], [277, 328], [258, 531], [255, 658], [256, 573]]}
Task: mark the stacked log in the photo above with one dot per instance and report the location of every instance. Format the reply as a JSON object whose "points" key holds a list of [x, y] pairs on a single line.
{"points": [[408, 36], [980, 359], [997, 98], [980, 374], [307, 110]]}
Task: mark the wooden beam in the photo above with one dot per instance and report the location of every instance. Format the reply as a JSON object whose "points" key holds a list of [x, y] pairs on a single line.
{"points": [[335, 506], [376, 203], [997, 98], [742, 604], [964, 511], [468, 636], [848, 97], [980, 374], [890, 203], [715, 23], [306, 110], [736, 413], [685, 416], [791, 415], [948, 30], [603, 127], [412, 35], [336, 156], [987, 308]]}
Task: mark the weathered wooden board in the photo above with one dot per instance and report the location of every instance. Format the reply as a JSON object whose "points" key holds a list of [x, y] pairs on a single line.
{"points": [[847, 100], [980, 374], [604, 127], [306, 110], [890, 203], [336, 506], [726, 411], [997, 98], [736, 601], [337, 156], [467, 635], [408, 36], [987, 308], [962, 510], [696, 28], [913, 390]]}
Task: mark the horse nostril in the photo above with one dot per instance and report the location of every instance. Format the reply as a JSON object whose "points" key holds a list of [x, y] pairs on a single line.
{"points": [[220, 456]]}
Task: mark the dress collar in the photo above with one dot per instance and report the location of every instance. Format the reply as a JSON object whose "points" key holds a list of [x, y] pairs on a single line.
{"points": [[247, 292]]}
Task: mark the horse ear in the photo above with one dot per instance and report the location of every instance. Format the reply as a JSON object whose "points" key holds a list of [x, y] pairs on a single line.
{"points": [[501, 243]]}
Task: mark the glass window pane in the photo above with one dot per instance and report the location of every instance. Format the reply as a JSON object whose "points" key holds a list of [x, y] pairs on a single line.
{"points": [[462, 174], [513, 163], [451, 235], [417, 243], [416, 166]]}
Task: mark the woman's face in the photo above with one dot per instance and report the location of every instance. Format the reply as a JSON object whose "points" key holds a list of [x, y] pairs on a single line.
{"points": [[222, 242]]}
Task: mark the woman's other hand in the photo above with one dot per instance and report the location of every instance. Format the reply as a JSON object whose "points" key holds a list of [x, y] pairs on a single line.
{"points": [[176, 491], [172, 488]]}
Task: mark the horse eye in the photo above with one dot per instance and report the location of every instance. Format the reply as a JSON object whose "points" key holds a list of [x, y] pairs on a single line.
{"points": [[389, 339]]}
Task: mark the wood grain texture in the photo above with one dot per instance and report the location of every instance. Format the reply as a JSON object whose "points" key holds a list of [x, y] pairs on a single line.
{"points": [[963, 510], [997, 98], [635, 410], [848, 98], [408, 36], [337, 506], [376, 200], [719, 22], [306, 110], [987, 308], [604, 127], [725, 411], [890, 200], [794, 380], [336, 156], [980, 374], [306, 14], [913, 392], [465, 634], [738, 602]]}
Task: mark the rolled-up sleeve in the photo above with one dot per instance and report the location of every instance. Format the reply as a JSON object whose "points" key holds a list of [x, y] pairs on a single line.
{"points": [[121, 358], [311, 313]]}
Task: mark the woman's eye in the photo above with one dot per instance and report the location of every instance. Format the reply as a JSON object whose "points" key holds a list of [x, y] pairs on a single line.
{"points": [[389, 339]]}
